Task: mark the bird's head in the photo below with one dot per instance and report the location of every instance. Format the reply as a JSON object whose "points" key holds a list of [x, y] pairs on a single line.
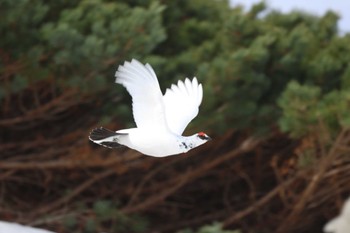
{"points": [[193, 141], [202, 137]]}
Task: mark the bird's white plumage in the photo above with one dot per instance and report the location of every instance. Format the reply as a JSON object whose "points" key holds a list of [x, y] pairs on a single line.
{"points": [[160, 120], [182, 104], [147, 99], [173, 111]]}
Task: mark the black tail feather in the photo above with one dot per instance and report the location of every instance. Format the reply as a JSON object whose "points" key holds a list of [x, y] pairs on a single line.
{"points": [[101, 133], [111, 144]]}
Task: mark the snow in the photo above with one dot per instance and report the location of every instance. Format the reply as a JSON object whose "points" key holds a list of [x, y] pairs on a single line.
{"points": [[8, 227]]}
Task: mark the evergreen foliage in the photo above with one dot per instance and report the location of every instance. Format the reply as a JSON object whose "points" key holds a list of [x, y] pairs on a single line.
{"points": [[261, 71], [72, 45], [245, 61]]}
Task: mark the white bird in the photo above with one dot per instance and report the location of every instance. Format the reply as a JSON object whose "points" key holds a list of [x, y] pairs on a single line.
{"points": [[341, 223], [160, 120], [9, 227]]}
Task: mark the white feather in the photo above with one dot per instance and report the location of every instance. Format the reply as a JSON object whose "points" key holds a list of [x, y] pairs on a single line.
{"points": [[173, 111], [142, 84], [160, 119], [181, 103]]}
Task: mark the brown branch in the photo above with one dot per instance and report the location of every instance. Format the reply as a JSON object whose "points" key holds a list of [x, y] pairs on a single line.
{"points": [[156, 198], [181, 180], [148, 176], [68, 163], [325, 163], [65, 199], [45, 111], [211, 217], [6, 174], [262, 201]]}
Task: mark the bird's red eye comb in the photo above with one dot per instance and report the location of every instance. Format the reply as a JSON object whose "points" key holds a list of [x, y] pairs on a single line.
{"points": [[201, 134]]}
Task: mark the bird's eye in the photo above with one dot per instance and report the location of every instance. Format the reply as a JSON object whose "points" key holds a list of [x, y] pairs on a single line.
{"points": [[203, 136]]}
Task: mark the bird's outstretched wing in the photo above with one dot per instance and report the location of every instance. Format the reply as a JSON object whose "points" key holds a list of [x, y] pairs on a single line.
{"points": [[181, 103], [142, 84]]}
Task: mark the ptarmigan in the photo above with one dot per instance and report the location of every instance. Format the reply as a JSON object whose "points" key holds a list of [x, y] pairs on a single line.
{"points": [[160, 120]]}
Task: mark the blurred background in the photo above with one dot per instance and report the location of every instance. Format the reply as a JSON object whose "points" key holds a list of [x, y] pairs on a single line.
{"points": [[276, 102]]}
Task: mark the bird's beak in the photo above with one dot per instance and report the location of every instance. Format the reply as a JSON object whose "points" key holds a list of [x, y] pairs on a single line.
{"points": [[208, 138]]}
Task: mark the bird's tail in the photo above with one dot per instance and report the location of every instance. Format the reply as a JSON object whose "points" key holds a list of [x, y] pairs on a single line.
{"points": [[105, 137]]}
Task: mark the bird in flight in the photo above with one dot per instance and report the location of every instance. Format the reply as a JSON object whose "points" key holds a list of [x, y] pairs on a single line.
{"points": [[160, 119]]}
